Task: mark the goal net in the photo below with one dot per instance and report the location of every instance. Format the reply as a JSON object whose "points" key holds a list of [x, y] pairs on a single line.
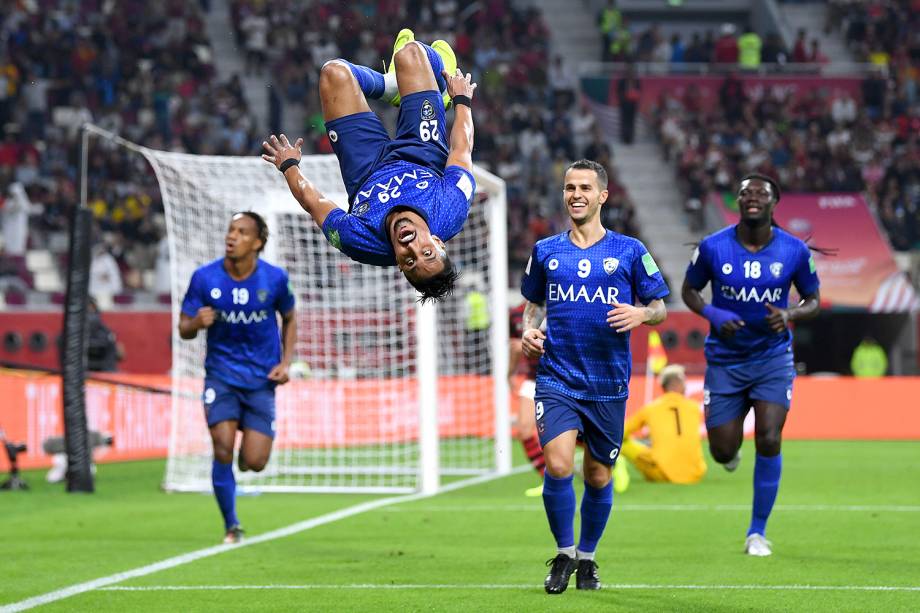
{"points": [[386, 395]]}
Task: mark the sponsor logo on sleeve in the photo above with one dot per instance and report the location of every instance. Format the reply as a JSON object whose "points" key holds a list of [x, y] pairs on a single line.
{"points": [[649, 262], [465, 185]]}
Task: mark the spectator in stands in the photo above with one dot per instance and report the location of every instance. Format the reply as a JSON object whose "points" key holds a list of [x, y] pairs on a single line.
{"points": [[773, 51], [749, 47], [14, 219], [799, 50], [815, 56], [629, 90], [104, 275], [609, 20], [869, 359], [256, 28], [726, 47]]}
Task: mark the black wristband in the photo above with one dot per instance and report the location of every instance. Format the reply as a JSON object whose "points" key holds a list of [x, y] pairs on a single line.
{"points": [[461, 99], [288, 163]]}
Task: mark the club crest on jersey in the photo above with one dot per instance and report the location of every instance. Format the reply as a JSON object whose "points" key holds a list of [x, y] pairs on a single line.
{"points": [[262, 294], [215, 293], [427, 110], [776, 269], [361, 209], [610, 265]]}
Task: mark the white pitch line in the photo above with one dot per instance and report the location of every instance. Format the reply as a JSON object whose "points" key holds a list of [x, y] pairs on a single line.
{"points": [[538, 507], [207, 552], [506, 586]]}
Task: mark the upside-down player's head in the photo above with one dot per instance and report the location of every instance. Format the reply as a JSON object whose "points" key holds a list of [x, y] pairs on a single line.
{"points": [[421, 256], [246, 236], [757, 197], [584, 190]]}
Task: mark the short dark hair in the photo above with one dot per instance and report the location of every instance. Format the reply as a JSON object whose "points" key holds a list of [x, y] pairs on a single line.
{"points": [[439, 286], [591, 165], [261, 226], [774, 185]]}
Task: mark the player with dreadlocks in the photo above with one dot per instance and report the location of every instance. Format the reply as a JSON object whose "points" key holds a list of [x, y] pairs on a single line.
{"points": [[751, 266]]}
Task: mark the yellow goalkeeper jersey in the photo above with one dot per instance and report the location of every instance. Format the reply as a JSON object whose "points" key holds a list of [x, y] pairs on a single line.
{"points": [[673, 423]]}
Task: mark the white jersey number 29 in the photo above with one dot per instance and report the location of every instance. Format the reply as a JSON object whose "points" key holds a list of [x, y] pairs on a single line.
{"points": [[428, 130]]}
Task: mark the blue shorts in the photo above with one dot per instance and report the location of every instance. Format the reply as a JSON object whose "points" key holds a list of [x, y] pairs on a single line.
{"points": [[729, 390], [253, 409], [600, 423], [362, 144]]}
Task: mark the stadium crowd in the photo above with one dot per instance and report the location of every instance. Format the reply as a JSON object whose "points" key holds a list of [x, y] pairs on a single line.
{"points": [[141, 70], [816, 143]]}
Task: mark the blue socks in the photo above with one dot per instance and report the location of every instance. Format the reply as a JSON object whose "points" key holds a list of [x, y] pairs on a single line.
{"points": [[595, 510], [767, 471], [559, 502], [370, 81], [373, 83], [225, 491]]}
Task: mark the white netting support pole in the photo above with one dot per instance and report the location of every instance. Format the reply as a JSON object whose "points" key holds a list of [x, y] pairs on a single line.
{"points": [[498, 300], [429, 460]]}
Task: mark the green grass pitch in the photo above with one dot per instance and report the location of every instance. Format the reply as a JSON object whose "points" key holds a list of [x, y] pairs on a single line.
{"points": [[847, 519]]}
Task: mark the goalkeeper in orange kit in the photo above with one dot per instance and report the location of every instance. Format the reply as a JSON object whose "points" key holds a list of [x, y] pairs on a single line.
{"points": [[673, 423]]}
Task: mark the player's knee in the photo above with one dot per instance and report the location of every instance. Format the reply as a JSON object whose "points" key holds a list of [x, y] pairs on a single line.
{"points": [[598, 476], [257, 464], [410, 57], [722, 453], [768, 443], [559, 468], [223, 453], [334, 74]]}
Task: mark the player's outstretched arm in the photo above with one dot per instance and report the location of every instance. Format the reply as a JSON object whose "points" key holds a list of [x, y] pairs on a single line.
{"points": [[461, 134], [189, 326], [285, 157]]}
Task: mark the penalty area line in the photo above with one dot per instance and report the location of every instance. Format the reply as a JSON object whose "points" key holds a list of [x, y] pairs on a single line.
{"points": [[207, 552], [507, 586]]}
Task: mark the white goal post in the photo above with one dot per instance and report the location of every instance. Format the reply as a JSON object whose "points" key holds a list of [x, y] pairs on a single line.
{"points": [[388, 396]]}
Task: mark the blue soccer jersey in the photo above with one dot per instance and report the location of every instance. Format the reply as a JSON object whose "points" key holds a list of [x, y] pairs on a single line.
{"points": [[744, 283], [584, 357], [243, 342], [442, 201]]}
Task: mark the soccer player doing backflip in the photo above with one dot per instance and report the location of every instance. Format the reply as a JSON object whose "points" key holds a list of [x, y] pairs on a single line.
{"points": [[409, 195], [751, 267], [587, 280], [237, 299]]}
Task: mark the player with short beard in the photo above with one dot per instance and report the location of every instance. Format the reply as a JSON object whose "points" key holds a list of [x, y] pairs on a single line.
{"points": [[749, 361], [409, 195], [236, 299], [585, 361]]}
